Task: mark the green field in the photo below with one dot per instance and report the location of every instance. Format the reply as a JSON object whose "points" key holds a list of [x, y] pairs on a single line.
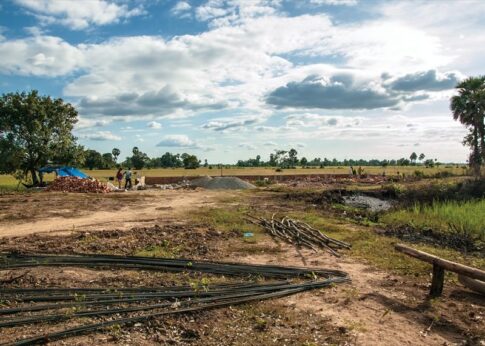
{"points": [[467, 218], [7, 181]]}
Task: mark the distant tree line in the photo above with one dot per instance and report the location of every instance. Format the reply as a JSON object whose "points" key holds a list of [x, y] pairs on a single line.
{"points": [[138, 160], [289, 159]]}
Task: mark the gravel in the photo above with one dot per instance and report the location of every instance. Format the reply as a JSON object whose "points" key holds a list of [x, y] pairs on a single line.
{"points": [[222, 183], [366, 202]]}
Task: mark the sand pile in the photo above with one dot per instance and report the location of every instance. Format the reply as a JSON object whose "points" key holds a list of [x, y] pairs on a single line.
{"points": [[226, 183]]}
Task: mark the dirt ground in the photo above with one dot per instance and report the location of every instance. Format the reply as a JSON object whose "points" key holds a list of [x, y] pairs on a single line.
{"points": [[376, 308], [23, 214]]}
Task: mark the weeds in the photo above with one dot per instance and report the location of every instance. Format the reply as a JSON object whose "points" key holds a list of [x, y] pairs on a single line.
{"points": [[466, 219]]}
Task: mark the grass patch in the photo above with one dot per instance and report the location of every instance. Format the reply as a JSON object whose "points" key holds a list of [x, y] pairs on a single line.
{"points": [[466, 218], [378, 250], [228, 219], [165, 250]]}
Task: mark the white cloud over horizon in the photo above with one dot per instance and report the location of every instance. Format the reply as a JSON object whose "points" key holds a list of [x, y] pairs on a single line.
{"points": [[258, 70]]}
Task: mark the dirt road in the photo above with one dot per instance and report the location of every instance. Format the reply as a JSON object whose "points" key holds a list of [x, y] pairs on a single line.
{"points": [[48, 212]]}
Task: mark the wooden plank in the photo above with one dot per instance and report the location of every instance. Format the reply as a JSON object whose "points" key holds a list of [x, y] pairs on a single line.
{"points": [[445, 264], [474, 285], [438, 281]]}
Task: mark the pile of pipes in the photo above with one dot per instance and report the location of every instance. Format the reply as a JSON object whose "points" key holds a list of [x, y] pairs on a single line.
{"points": [[49, 304], [74, 184], [300, 234]]}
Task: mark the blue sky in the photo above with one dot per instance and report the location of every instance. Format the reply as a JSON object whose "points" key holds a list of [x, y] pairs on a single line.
{"points": [[230, 79]]}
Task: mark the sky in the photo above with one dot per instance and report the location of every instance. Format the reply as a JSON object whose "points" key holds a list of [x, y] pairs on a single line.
{"points": [[231, 79]]}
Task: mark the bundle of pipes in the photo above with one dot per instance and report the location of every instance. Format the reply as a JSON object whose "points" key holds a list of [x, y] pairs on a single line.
{"points": [[300, 234], [162, 300]]}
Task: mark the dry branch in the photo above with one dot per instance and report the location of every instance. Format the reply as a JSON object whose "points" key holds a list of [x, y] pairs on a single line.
{"points": [[300, 234]]}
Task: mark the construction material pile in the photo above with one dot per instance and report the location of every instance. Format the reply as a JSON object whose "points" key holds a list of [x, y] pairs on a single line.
{"points": [[74, 184], [222, 183], [300, 234], [50, 304]]}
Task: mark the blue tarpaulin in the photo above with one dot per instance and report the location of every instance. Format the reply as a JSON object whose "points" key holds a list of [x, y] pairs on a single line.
{"points": [[64, 171]]}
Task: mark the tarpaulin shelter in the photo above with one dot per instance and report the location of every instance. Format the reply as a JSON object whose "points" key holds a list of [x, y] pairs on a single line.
{"points": [[64, 171]]}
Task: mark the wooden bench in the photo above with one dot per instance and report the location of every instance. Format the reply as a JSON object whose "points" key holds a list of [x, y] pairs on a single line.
{"points": [[439, 266]]}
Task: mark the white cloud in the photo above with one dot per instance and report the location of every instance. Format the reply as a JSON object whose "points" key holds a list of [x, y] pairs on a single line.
{"points": [[247, 146], [102, 136], [39, 55], [229, 12], [84, 123], [177, 141], [232, 124], [78, 15], [154, 125], [181, 9], [270, 144], [335, 2]]}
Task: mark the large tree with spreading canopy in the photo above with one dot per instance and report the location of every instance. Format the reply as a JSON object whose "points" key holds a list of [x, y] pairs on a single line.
{"points": [[34, 131]]}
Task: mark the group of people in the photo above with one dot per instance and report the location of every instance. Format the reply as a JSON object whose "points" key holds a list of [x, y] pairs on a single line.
{"points": [[127, 175]]}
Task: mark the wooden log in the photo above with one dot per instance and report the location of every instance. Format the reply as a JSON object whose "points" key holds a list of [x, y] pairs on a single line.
{"points": [[475, 285], [437, 281], [445, 264]]}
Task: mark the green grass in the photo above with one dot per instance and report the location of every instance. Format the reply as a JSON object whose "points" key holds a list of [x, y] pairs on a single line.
{"points": [[367, 245], [467, 218], [164, 249]]}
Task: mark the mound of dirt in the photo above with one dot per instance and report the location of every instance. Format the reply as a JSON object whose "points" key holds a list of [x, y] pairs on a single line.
{"points": [[222, 183]]}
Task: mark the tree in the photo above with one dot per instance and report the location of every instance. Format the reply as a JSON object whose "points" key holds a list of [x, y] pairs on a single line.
{"points": [[108, 161], [170, 160], [190, 161], [429, 163], [413, 157], [93, 159], [468, 107], [139, 159], [115, 152], [34, 130], [421, 157], [303, 161], [205, 163], [292, 158]]}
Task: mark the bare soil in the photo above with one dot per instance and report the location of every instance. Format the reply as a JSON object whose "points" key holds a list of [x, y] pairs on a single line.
{"points": [[376, 308], [22, 214]]}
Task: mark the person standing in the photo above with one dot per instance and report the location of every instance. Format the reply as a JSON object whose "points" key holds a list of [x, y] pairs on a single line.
{"points": [[119, 177], [128, 174]]}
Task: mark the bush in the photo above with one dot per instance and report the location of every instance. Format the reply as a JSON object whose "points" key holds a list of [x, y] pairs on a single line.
{"points": [[263, 182], [418, 174]]}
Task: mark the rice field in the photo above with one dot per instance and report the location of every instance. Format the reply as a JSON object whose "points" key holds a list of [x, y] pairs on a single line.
{"points": [[8, 182], [467, 218]]}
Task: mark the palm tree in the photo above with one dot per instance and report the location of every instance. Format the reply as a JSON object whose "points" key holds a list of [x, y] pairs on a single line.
{"points": [[421, 157], [115, 152], [413, 157], [468, 107]]}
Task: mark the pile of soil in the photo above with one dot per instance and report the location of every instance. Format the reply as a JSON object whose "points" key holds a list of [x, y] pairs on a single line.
{"points": [[222, 183], [74, 184]]}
